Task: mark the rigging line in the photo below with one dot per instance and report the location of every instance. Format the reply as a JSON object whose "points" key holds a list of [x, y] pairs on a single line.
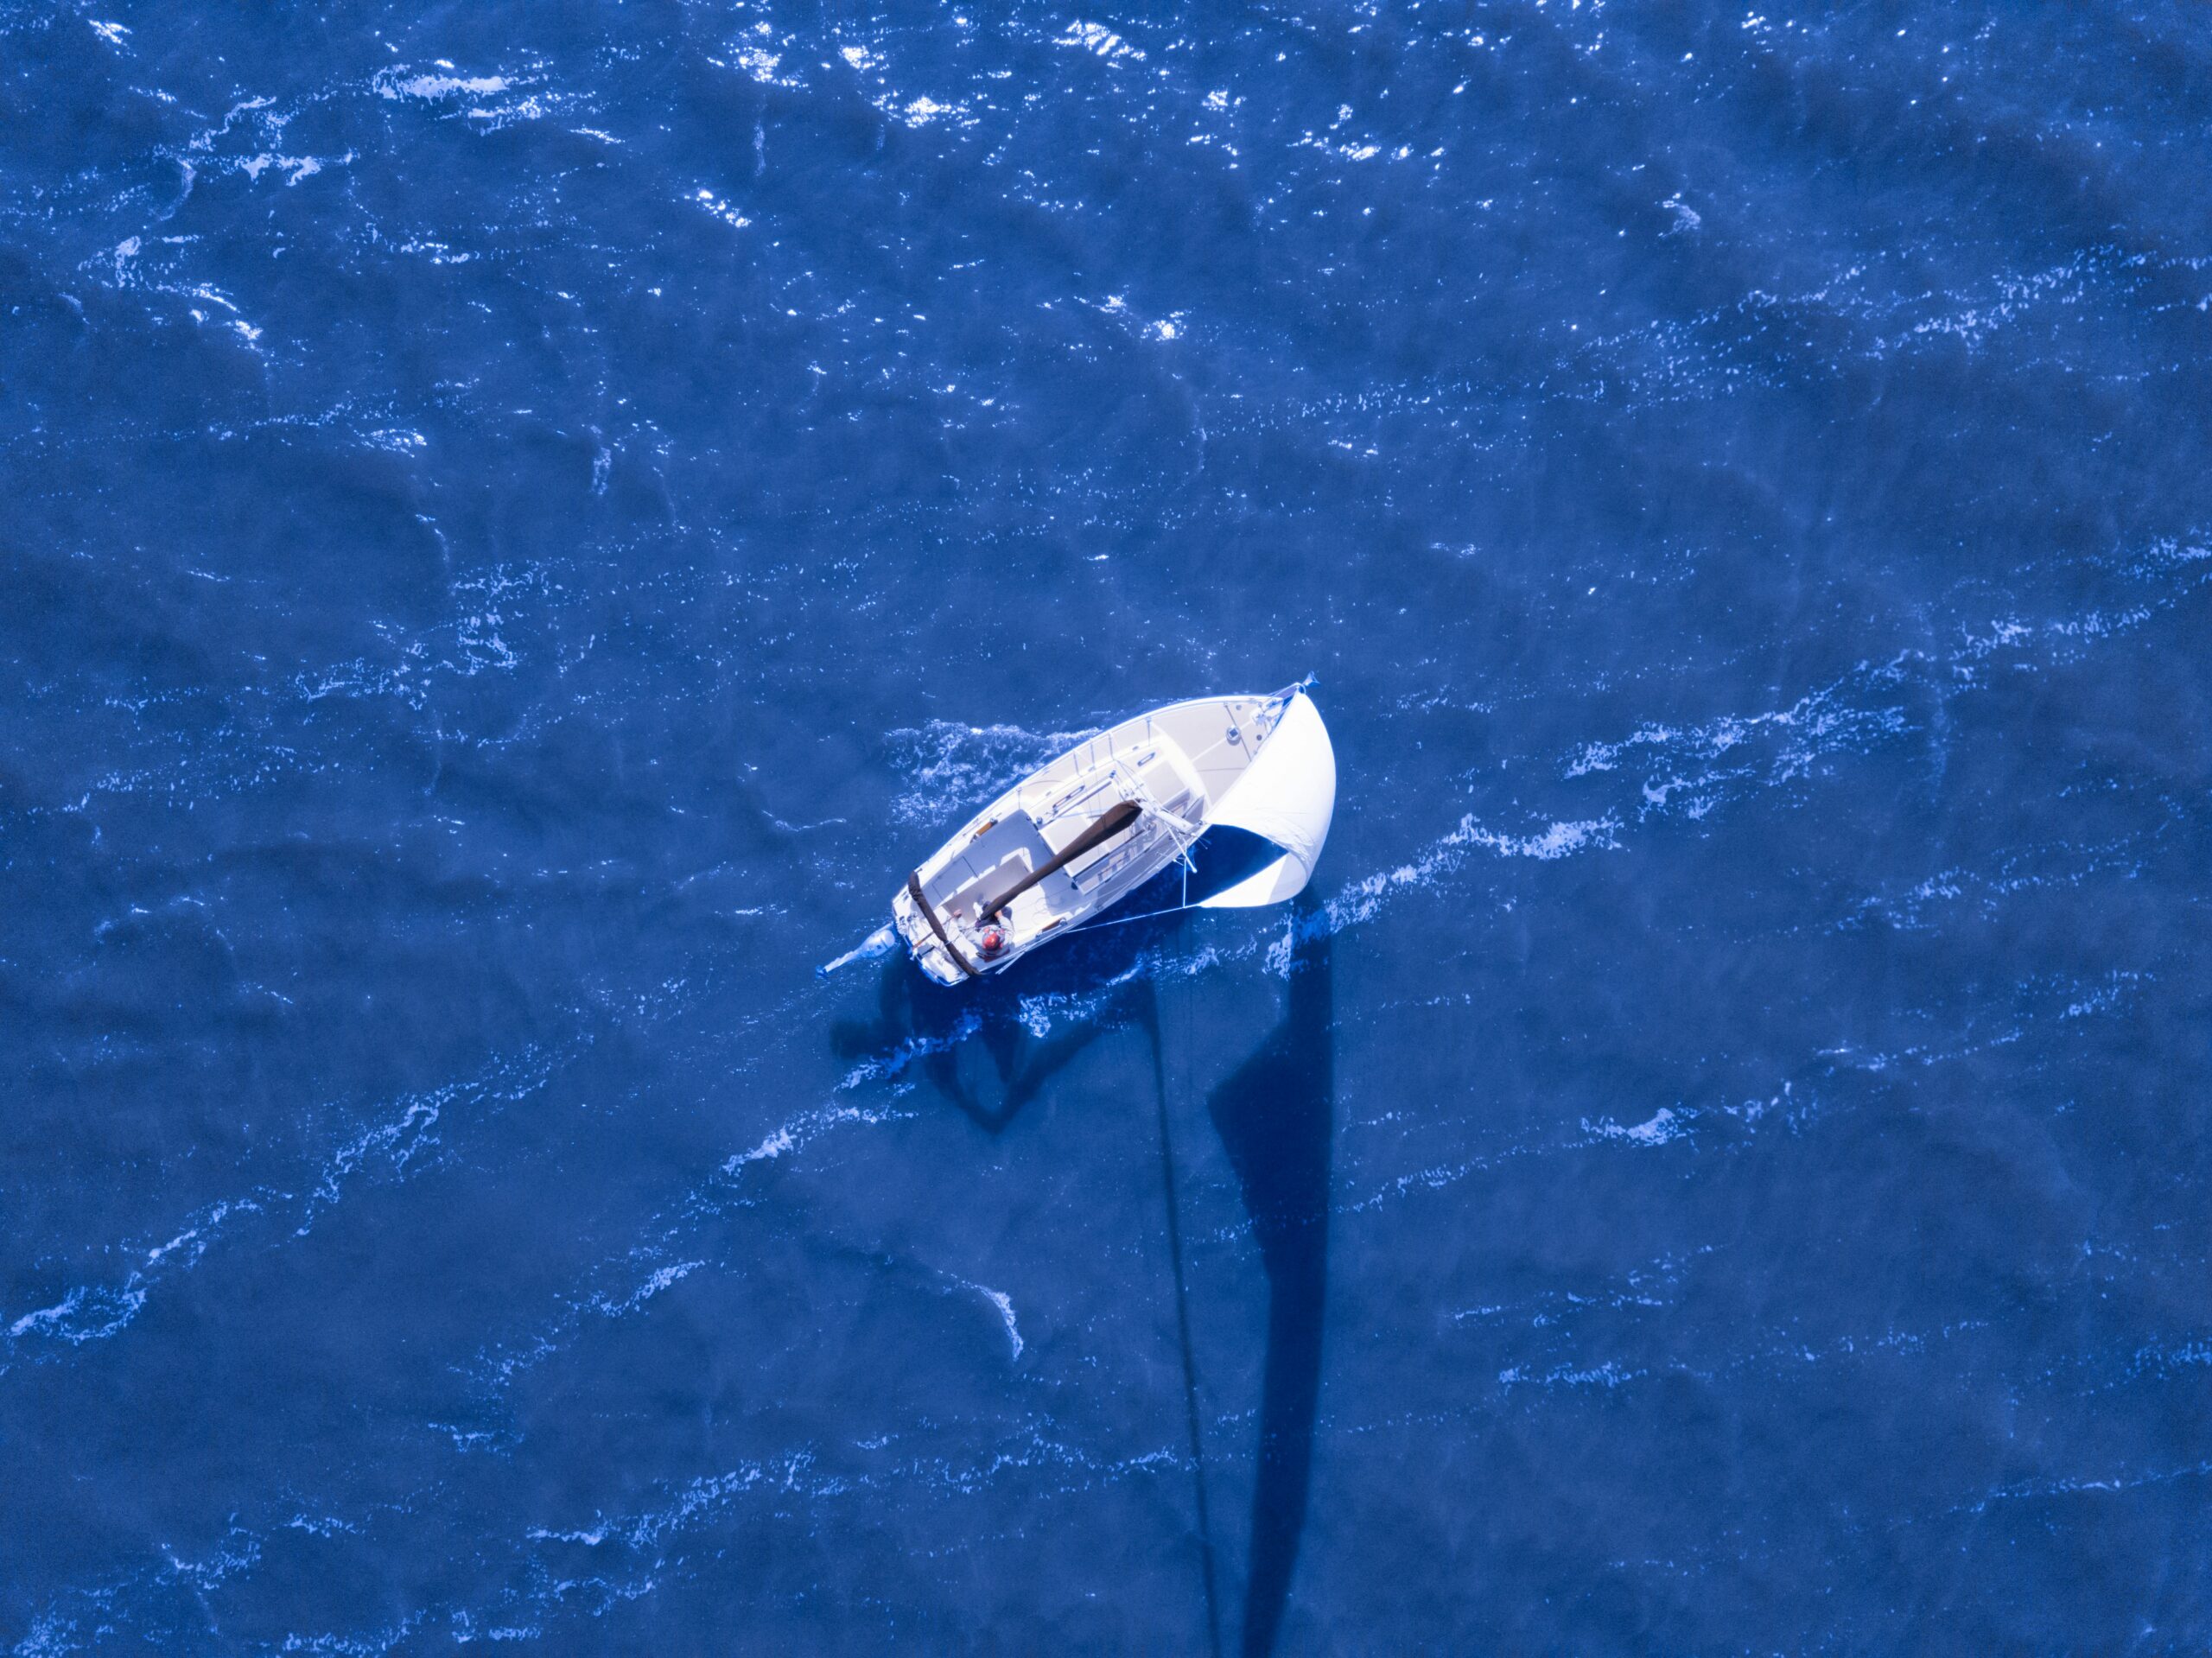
{"points": [[1183, 1325], [1123, 921], [1149, 915]]}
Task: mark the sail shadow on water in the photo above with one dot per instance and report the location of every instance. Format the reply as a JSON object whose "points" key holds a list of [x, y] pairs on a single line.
{"points": [[1275, 1114]]}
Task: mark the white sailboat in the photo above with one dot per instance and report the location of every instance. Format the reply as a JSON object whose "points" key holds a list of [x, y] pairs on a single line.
{"points": [[1240, 789]]}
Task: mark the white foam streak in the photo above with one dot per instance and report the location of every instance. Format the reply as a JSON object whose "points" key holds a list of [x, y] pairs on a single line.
{"points": [[400, 84], [397, 1142], [1004, 1303], [1102, 41], [87, 1313], [1364, 899], [1818, 723], [905, 1053], [1664, 1127], [1654, 1130], [659, 1281], [804, 1129], [95, 1312]]}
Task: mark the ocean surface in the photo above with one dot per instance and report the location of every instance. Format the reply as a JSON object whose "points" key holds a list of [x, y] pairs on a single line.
{"points": [[523, 522]]}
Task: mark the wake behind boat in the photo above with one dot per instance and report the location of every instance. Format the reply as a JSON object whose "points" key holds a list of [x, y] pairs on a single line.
{"points": [[1240, 789]]}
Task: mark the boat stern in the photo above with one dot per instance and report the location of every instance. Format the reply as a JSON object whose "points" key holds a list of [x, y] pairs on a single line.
{"points": [[931, 952]]}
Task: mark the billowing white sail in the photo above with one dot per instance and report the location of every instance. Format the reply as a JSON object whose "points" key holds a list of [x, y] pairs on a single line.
{"points": [[1287, 796]]}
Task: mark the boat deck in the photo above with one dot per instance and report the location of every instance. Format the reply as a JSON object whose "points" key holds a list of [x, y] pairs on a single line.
{"points": [[1174, 763]]}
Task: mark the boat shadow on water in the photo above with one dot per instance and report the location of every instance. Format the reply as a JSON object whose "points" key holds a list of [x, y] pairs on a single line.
{"points": [[1275, 1115]]}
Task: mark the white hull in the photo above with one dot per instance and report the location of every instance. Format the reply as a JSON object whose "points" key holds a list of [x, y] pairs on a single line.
{"points": [[1073, 839]]}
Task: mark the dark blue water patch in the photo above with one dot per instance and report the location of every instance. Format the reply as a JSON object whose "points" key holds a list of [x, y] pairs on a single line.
{"points": [[524, 524]]}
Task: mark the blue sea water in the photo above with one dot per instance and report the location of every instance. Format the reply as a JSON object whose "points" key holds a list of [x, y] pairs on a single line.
{"points": [[523, 522]]}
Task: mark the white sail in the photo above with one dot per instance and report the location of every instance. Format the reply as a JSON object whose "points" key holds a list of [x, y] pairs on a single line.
{"points": [[1286, 796]]}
